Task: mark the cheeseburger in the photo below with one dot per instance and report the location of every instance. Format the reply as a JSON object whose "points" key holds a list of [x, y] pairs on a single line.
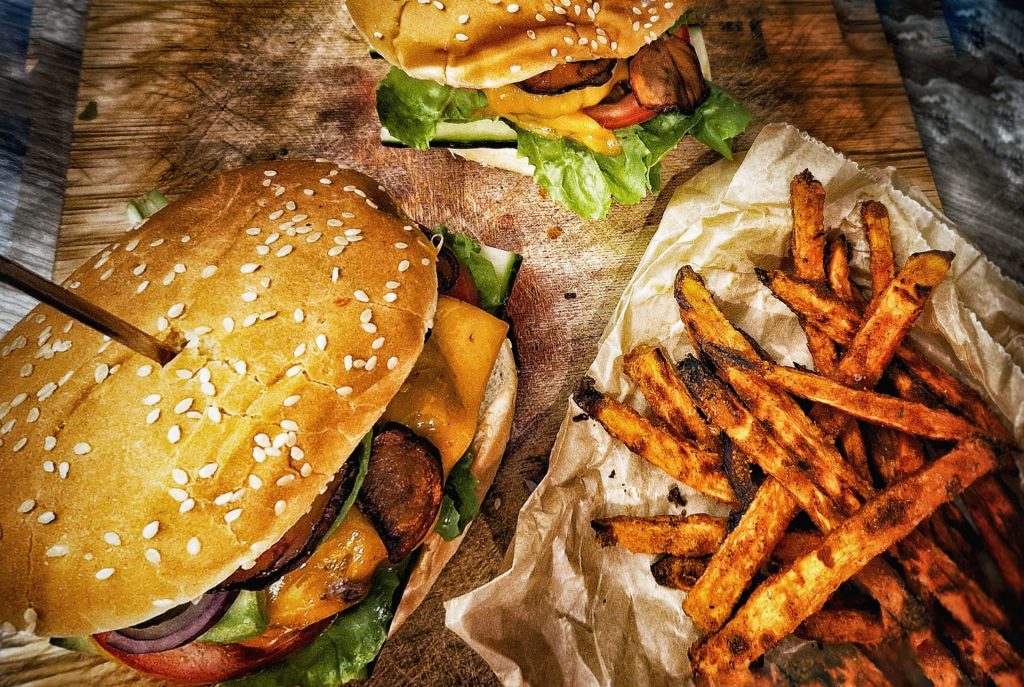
{"points": [[587, 96], [260, 508]]}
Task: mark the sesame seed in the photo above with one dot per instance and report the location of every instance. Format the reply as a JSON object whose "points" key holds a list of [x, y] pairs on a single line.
{"points": [[285, 479], [285, 250], [49, 443], [240, 367], [289, 425], [513, 8], [48, 466], [361, 296], [269, 173], [153, 556], [291, 400], [403, 266], [104, 573], [183, 405], [371, 363], [46, 518], [390, 297], [232, 515], [515, 68], [249, 296], [208, 470], [193, 546], [142, 287], [348, 362], [151, 399], [26, 506], [392, 362], [186, 505], [150, 530], [344, 390], [152, 416], [250, 320], [161, 324], [81, 448], [461, 37], [293, 370], [463, 18], [306, 470], [299, 315], [378, 35], [392, 284], [369, 328], [62, 469], [321, 342], [325, 181], [299, 351], [33, 415], [262, 250], [112, 538], [279, 507], [179, 476], [57, 551], [144, 370], [296, 453], [213, 412], [20, 445], [377, 343], [174, 434]]}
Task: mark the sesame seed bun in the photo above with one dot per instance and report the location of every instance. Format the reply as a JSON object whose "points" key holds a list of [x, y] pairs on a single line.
{"points": [[130, 488], [491, 43]]}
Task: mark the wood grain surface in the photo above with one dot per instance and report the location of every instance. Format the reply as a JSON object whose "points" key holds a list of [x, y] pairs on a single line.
{"points": [[188, 88]]}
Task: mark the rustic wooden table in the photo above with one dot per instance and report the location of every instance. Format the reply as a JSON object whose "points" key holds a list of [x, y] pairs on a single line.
{"points": [[184, 89]]}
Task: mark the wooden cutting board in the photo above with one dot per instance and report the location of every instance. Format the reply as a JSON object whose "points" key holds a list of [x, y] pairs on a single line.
{"points": [[187, 88]]}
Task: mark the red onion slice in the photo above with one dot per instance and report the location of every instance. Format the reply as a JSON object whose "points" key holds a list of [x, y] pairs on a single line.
{"points": [[175, 628]]}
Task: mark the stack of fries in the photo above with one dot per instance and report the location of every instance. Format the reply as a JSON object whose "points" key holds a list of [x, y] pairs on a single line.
{"points": [[875, 514]]}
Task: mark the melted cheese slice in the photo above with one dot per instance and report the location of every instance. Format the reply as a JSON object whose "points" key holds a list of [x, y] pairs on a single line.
{"points": [[559, 115], [440, 400]]}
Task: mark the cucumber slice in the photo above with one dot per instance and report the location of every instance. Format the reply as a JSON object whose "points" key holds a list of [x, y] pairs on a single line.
{"points": [[482, 133], [506, 267]]}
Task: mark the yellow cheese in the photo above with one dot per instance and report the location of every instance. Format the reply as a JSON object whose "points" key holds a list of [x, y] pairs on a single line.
{"points": [[440, 400], [555, 116], [336, 576]]}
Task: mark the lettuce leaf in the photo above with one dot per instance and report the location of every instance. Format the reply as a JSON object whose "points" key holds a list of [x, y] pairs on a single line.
{"points": [[573, 175], [346, 649], [459, 504], [411, 108], [361, 454], [485, 277]]}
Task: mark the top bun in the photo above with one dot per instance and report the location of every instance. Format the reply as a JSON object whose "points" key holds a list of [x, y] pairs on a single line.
{"points": [[491, 43], [129, 488]]}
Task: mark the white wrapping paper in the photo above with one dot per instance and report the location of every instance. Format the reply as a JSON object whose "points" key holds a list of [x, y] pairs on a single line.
{"points": [[567, 612]]}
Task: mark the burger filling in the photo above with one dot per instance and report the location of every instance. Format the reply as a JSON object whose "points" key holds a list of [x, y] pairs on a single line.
{"points": [[315, 608], [593, 131]]}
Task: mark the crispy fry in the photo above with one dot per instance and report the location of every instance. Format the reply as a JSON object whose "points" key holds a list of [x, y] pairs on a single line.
{"points": [[796, 544], [679, 535], [876, 226], [838, 270], [777, 607], [958, 593], [724, 410], [843, 625], [703, 320], [993, 511], [871, 406], [678, 572], [841, 321], [897, 307], [677, 456], [909, 387], [990, 653], [707, 325], [667, 396], [807, 196], [833, 665], [744, 551], [855, 450]]}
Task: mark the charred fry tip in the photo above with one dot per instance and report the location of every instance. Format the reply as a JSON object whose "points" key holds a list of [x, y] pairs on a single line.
{"points": [[873, 209], [603, 533], [805, 177], [586, 395], [763, 275], [727, 357]]}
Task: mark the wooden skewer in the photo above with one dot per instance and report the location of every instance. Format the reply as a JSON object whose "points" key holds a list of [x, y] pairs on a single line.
{"points": [[73, 305]]}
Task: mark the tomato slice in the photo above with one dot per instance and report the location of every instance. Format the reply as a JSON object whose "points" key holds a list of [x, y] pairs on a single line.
{"points": [[618, 115], [683, 32], [464, 288], [201, 664]]}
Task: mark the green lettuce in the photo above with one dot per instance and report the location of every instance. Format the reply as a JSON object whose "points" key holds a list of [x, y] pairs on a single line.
{"points": [[346, 649], [459, 504], [362, 455], [491, 289], [573, 175], [411, 108]]}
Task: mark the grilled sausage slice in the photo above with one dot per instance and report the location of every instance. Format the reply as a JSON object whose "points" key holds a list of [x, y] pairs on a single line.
{"points": [[569, 76], [665, 75]]}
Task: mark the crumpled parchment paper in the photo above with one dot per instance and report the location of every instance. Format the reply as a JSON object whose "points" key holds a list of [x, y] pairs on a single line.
{"points": [[567, 612]]}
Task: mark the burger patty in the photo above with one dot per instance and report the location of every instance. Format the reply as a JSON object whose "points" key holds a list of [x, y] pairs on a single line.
{"points": [[569, 76], [665, 75]]}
